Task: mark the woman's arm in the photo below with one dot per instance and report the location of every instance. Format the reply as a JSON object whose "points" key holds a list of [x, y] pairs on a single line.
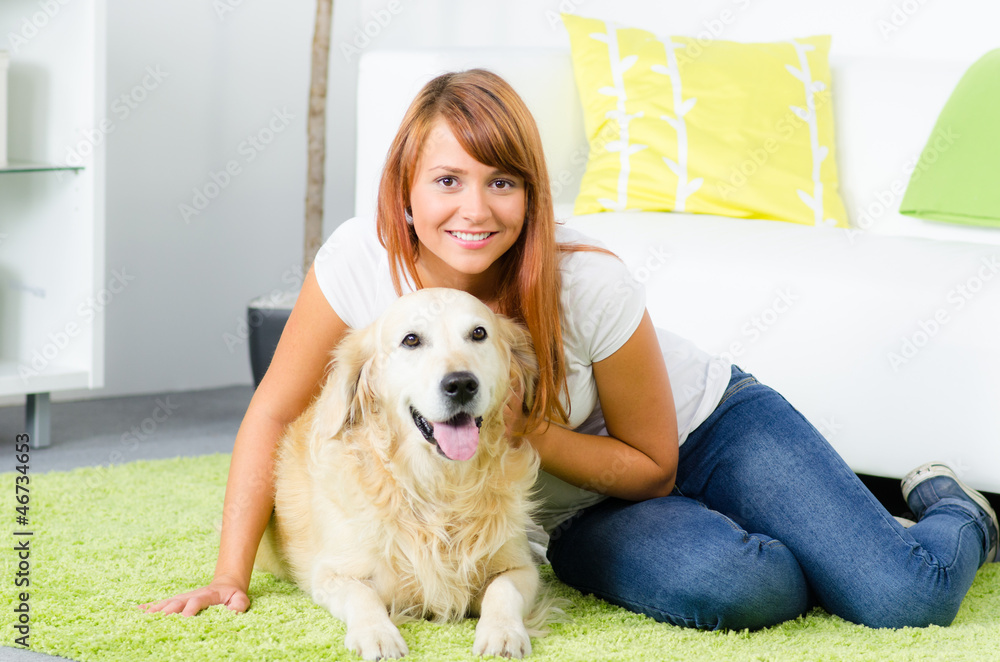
{"points": [[639, 460], [294, 377]]}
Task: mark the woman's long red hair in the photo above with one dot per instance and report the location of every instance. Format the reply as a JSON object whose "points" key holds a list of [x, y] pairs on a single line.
{"points": [[495, 127]]}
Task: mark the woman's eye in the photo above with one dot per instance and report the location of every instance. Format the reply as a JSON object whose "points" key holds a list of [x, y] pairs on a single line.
{"points": [[479, 334], [411, 340], [503, 184], [447, 182]]}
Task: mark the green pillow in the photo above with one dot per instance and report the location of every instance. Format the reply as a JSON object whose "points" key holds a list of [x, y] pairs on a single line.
{"points": [[957, 178]]}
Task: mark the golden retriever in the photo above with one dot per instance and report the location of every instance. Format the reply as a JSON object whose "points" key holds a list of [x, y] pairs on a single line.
{"points": [[398, 493]]}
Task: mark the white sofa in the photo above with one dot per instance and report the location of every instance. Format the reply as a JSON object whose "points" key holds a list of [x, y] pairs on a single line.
{"points": [[886, 336]]}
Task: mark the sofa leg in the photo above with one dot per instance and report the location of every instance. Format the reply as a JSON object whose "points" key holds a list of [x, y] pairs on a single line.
{"points": [[38, 419]]}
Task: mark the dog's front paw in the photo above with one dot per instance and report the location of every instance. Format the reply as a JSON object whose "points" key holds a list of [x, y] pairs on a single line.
{"points": [[376, 642], [505, 640]]}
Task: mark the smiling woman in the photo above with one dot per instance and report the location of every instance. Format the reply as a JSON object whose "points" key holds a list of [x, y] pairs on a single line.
{"points": [[466, 215], [468, 159]]}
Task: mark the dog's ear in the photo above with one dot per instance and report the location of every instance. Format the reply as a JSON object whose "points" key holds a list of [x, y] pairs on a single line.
{"points": [[349, 394], [523, 362]]}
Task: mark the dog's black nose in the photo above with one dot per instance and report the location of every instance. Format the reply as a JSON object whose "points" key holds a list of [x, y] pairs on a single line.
{"points": [[460, 386]]}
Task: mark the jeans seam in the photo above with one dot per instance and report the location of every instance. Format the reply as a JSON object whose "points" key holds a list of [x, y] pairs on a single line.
{"points": [[736, 388]]}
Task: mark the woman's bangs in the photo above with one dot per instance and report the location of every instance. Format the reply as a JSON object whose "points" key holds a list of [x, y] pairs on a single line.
{"points": [[491, 140]]}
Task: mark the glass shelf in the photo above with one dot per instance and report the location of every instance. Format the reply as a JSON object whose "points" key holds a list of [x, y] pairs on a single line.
{"points": [[33, 166]]}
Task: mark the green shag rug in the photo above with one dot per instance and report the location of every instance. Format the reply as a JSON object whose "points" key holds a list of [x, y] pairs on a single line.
{"points": [[106, 540]]}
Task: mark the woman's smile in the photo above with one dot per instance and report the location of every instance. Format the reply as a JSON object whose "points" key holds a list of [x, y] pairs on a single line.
{"points": [[471, 239]]}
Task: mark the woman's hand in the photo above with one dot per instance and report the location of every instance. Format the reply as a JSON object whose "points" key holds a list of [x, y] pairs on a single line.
{"points": [[513, 413], [188, 604]]}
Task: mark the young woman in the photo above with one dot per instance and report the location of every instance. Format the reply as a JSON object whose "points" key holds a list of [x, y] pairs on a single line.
{"points": [[674, 484]]}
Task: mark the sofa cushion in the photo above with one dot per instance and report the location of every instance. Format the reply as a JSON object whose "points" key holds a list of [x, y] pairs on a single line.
{"points": [[955, 178], [713, 127]]}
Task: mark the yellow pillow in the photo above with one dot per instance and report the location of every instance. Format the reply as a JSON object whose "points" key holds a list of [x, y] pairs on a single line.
{"points": [[710, 127]]}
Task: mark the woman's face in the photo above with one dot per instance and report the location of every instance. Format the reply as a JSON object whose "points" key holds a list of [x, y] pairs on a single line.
{"points": [[465, 214]]}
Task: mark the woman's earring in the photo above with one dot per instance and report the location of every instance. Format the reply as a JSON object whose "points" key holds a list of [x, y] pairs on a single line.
{"points": [[408, 215]]}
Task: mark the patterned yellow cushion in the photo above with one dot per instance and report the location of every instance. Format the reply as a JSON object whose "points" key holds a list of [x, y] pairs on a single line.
{"points": [[720, 127]]}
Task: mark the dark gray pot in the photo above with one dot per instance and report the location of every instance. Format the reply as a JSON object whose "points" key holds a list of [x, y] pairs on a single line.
{"points": [[266, 318]]}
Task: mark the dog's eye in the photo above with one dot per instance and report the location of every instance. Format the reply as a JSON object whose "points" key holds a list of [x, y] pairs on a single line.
{"points": [[479, 334], [411, 340]]}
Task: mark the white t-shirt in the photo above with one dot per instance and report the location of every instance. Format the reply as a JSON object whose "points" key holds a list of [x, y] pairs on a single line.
{"points": [[602, 305]]}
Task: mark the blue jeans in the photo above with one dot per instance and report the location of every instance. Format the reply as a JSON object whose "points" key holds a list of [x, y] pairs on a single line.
{"points": [[766, 520]]}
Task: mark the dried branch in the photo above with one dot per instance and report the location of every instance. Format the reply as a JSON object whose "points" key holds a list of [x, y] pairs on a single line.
{"points": [[316, 132]]}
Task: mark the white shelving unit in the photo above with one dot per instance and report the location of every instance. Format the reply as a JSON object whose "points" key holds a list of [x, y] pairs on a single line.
{"points": [[52, 204]]}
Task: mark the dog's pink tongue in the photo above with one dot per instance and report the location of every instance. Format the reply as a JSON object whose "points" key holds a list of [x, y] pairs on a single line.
{"points": [[457, 439]]}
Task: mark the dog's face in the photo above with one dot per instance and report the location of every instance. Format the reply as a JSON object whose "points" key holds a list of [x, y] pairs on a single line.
{"points": [[437, 363]]}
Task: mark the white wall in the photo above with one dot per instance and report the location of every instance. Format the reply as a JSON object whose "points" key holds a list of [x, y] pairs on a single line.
{"points": [[226, 75], [189, 82]]}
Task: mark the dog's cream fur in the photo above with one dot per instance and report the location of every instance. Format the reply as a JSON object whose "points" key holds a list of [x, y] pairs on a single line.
{"points": [[373, 521]]}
